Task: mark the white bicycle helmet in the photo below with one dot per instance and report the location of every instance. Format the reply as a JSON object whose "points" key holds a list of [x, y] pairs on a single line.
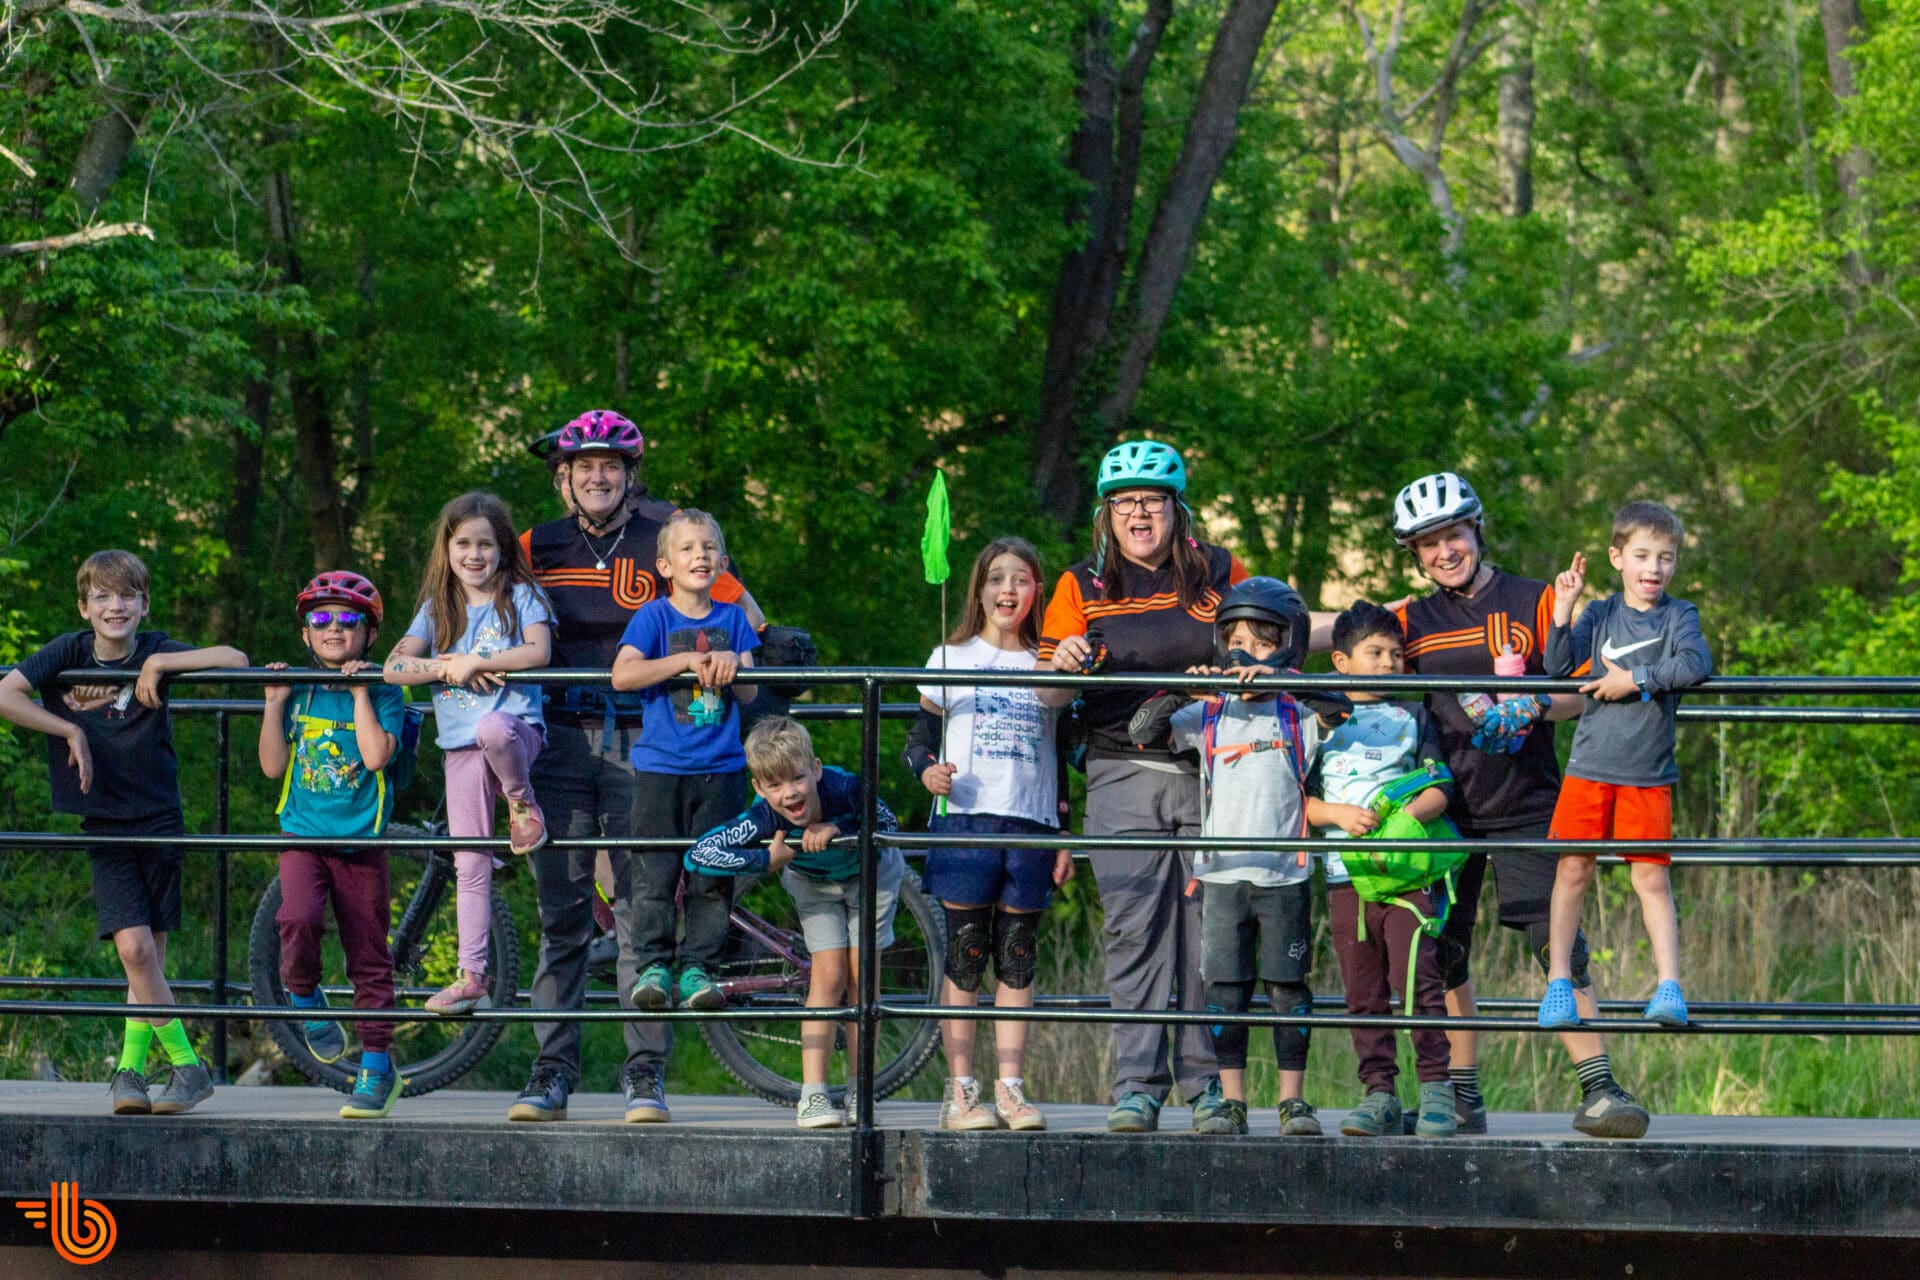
{"points": [[1431, 501]]}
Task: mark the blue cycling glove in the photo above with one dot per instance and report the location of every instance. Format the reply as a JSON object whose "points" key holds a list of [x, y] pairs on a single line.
{"points": [[1503, 729]]}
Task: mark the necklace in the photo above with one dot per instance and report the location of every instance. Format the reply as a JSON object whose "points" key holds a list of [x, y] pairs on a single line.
{"points": [[599, 556]]}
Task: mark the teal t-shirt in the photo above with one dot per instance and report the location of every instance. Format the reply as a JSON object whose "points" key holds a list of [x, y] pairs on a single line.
{"points": [[329, 791]]}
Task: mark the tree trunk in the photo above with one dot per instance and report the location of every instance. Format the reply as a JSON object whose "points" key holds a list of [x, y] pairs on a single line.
{"points": [[307, 395], [239, 573], [1513, 57], [360, 401], [1211, 128], [1313, 556], [1843, 28]]}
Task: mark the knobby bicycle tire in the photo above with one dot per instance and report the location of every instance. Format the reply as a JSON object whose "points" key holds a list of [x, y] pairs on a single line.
{"points": [[764, 1056], [457, 1044]]}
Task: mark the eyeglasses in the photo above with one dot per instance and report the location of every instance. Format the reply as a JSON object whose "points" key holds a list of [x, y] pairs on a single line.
{"points": [[321, 619], [1126, 504]]}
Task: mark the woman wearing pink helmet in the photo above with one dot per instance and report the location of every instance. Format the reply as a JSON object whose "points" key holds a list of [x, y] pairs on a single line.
{"points": [[597, 566]]}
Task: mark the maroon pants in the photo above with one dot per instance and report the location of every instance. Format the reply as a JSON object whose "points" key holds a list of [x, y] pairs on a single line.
{"points": [[1377, 968], [356, 884]]}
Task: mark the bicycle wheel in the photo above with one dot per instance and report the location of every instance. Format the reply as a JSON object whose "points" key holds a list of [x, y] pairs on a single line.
{"points": [[765, 1056], [430, 1055]]}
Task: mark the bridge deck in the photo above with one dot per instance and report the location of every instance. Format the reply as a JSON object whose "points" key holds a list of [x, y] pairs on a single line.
{"points": [[284, 1149]]}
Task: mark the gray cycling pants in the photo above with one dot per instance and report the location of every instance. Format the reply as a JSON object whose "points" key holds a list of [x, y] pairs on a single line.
{"points": [[585, 791], [1152, 928]]}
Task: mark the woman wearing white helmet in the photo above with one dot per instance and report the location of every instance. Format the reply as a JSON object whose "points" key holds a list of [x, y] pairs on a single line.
{"points": [[1507, 776], [1144, 601]]}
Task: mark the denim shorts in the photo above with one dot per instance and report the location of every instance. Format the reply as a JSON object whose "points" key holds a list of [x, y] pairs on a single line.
{"points": [[829, 910], [989, 875]]}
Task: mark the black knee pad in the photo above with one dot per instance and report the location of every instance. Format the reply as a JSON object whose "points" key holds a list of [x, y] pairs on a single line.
{"points": [[1016, 949], [1290, 1043], [1229, 1039], [1538, 933], [969, 945]]}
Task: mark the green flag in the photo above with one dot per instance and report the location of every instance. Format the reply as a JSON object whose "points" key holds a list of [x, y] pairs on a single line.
{"points": [[939, 530]]}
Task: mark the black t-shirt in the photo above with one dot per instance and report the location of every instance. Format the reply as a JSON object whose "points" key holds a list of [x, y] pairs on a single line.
{"points": [[1449, 634], [592, 605], [1144, 629], [135, 774]]}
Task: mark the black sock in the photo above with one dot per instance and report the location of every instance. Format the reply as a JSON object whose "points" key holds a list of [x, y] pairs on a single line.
{"points": [[1596, 1073], [1466, 1086]]}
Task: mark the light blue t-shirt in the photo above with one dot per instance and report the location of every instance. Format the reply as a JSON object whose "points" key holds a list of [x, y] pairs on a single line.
{"points": [[688, 731], [457, 712], [329, 791]]}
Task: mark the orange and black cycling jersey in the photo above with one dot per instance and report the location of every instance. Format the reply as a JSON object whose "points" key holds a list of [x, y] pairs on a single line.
{"points": [[591, 606], [1449, 634], [1144, 628]]}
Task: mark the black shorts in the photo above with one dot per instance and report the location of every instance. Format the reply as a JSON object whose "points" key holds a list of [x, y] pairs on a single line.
{"points": [[135, 885], [1247, 931], [1523, 885]]}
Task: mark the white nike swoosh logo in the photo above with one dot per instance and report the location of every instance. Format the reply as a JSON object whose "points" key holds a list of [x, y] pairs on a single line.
{"points": [[1612, 654]]}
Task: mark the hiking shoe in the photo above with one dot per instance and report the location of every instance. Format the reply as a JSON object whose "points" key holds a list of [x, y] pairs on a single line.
{"points": [[698, 992], [128, 1090], [187, 1087], [960, 1107], [1011, 1105], [646, 1096], [816, 1111], [463, 995], [1297, 1119], [653, 990], [1377, 1116], [1207, 1105], [373, 1095], [1668, 1006], [1136, 1112], [526, 826], [1437, 1116], [326, 1039], [1473, 1119], [1558, 1009], [1229, 1117], [1609, 1112], [544, 1098]]}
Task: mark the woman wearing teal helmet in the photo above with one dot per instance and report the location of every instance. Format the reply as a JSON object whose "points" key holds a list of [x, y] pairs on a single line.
{"points": [[1143, 601]]}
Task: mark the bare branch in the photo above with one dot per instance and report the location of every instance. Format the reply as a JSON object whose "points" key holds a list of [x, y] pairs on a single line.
{"points": [[76, 239], [19, 161]]}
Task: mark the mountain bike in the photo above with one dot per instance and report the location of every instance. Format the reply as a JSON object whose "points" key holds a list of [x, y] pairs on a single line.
{"points": [[765, 966]]}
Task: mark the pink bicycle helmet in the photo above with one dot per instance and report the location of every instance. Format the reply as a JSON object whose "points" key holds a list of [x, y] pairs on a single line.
{"points": [[599, 429], [342, 587]]}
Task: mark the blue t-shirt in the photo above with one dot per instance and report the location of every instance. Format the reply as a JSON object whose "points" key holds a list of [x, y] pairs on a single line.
{"points": [[688, 731], [328, 790], [457, 712]]}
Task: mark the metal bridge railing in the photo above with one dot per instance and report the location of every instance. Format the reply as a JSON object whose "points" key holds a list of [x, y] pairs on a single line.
{"points": [[1723, 1017]]}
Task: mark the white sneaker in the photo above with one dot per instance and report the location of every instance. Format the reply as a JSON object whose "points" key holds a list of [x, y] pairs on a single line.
{"points": [[962, 1109], [816, 1111]]}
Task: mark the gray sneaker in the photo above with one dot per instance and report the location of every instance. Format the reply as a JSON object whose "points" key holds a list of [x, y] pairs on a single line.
{"points": [[128, 1089], [1297, 1119], [1378, 1115], [1605, 1113], [187, 1087], [1136, 1112], [1437, 1116]]}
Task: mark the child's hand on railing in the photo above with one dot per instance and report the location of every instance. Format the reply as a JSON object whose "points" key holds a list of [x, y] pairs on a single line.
{"points": [[277, 694], [463, 669], [817, 836]]}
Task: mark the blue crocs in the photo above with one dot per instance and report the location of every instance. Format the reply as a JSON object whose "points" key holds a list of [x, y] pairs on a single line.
{"points": [[1558, 1009], [1668, 1006]]}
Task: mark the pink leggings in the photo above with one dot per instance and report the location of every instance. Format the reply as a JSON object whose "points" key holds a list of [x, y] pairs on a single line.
{"points": [[495, 765]]}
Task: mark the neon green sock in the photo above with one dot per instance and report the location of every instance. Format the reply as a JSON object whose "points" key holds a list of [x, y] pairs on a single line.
{"points": [[133, 1054], [173, 1038]]}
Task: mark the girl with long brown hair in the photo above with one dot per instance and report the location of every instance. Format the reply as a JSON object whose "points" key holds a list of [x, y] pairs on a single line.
{"points": [[481, 614]]}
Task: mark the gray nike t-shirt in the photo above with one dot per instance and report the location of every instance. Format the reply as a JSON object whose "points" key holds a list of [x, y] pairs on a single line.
{"points": [[1630, 743]]}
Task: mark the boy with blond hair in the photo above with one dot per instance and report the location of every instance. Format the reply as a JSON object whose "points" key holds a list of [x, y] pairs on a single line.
{"points": [[110, 760], [1641, 646], [800, 797]]}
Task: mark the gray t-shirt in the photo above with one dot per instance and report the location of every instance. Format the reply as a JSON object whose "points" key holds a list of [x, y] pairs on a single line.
{"points": [[1256, 793], [1630, 743]]}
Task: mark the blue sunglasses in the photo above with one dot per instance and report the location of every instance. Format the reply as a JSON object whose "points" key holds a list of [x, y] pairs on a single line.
{"points": [[321, 619]]}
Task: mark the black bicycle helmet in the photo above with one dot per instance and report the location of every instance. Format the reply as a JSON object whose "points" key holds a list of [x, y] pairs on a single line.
{"points": [[1270, 600]]}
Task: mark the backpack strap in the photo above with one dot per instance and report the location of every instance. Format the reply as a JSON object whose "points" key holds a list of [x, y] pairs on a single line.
{"points": [[307, 725], [1288, 713]]}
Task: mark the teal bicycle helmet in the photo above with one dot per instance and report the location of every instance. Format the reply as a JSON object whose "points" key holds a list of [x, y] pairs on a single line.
{"points": [[1142, 464]]}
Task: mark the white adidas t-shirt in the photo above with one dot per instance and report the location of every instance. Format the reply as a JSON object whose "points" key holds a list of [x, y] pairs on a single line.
{"points": [[1001, 738]]}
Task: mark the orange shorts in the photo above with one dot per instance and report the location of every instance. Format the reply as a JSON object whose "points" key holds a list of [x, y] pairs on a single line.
{"points": [[1605, 811]]}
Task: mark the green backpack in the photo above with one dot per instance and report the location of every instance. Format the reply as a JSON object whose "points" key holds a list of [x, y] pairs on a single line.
{"points": [[1386, 874]]}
